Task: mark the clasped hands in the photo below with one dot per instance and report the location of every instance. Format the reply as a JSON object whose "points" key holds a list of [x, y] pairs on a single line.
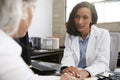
{"points": [[73, 73]]}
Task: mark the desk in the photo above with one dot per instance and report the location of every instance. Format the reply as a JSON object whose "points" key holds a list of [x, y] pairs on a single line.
{"points": [[92, 78], [110, 75], [48, 56]]}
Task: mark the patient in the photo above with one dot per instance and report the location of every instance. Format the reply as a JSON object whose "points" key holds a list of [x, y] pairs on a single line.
{"points": [[15, 19]]}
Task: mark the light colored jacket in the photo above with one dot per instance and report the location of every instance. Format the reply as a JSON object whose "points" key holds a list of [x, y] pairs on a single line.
{"points": [[12, 66], [97, 53]]}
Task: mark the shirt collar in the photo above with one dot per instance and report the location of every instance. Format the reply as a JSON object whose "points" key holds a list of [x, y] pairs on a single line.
{"points": [[80, 38]]}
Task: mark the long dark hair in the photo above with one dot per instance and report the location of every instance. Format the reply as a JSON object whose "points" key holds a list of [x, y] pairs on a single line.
{"points": [[70, 25]]}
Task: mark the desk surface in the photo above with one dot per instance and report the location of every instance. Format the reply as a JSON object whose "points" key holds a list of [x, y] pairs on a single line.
{"points": [[92, 78]]}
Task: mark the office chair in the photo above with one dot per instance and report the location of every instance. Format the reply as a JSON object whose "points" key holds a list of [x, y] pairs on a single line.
{"points": [[115, 41]]}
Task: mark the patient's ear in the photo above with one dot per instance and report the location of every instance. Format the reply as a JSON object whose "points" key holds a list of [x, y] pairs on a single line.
{"points": [[25, 22], [27, 14]]}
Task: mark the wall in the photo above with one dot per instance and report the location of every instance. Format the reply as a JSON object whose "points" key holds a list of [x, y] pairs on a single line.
{"points": [[112, 27], [49, 20], [59, 20], [42, 20]]}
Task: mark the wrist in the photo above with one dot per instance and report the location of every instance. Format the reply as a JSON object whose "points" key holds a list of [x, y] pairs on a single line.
{"points": [[84, 73], [87, 73], [62, 68]]}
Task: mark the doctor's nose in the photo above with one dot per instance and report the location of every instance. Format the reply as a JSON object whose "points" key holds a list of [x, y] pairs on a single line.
{"points": [[80, 20]]}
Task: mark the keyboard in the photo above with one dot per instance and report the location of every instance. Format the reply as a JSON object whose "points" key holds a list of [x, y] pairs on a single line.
{"points": [[37, 65]]}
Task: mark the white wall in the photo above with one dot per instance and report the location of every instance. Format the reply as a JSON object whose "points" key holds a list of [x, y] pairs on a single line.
{"points": [[42, 21]]}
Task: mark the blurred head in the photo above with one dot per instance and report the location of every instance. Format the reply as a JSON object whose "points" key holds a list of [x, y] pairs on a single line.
{"points": [[25, 20], [10, 15], [79, 14], [15, 16]]}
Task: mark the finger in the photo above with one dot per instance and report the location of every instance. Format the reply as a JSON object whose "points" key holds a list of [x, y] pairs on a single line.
{"points": [[66, 76], [65, 70], [74, 71], [69, 76], [63, 77], [69, 70], [74, 78]]}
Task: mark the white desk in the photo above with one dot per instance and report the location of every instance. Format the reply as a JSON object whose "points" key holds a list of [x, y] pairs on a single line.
{"points": [[92, 78]]}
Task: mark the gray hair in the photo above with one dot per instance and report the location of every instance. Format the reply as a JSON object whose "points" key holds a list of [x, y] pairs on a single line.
{"points": [[10, 15]]}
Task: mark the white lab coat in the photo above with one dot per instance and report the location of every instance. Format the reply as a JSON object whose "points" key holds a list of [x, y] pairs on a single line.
{"points": [[12, 66], [97, 53]]}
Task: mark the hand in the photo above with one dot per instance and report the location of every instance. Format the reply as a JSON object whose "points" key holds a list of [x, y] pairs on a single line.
{"points": [[73, 71], [66, 76], [81, 74]]}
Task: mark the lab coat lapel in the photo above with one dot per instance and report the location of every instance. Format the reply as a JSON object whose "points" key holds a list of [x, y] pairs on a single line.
{"points": [[75, 45], [90, 52]]}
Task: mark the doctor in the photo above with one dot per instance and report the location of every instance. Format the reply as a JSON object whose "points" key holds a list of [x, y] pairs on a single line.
{"points": [[87, 47]]}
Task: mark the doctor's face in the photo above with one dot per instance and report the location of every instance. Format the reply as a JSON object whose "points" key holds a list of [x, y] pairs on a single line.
{"points": [[83, 18]]}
